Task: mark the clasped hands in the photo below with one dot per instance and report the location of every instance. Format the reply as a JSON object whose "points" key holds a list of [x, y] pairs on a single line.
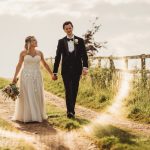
{"points": [[84, 72]]}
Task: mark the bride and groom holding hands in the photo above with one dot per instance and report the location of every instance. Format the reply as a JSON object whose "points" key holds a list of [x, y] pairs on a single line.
{"points": [[30, 106]]}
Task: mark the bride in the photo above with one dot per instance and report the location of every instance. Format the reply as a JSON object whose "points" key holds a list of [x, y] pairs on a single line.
{"points": [[30, 105]]}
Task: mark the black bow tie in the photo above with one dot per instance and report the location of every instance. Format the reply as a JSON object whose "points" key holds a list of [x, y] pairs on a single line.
{"points": [[69, 39]]}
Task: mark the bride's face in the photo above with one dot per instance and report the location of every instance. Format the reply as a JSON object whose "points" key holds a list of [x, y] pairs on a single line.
{"points": [[33, 42]]}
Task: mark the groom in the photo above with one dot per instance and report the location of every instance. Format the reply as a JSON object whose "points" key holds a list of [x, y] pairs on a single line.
{"points": [[74, 63]]}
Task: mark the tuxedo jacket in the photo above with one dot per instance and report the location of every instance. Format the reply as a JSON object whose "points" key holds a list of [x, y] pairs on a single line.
{"points": [[74, 61]]}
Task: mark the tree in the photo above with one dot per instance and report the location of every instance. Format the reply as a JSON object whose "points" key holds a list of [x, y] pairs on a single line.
{"points": [[91, 45]]}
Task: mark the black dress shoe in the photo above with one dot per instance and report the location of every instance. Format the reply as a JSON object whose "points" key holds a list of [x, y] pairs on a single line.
{"points": [[70, 115]]}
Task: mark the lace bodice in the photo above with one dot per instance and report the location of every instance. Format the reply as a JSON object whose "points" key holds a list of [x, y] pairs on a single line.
{"points": [[32, 63]]}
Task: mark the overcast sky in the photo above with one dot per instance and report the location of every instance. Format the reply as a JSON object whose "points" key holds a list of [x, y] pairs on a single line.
{"points": [[125, 25]]}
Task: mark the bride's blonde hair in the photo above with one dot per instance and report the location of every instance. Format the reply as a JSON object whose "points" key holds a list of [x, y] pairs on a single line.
{"points": [[27, 43]]}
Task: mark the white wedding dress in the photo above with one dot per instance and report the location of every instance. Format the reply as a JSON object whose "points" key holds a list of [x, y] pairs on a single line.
{"points": [[30, 105]]}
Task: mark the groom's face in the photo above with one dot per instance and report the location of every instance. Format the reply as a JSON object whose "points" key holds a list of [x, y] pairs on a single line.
{"points": [[68, 29]]}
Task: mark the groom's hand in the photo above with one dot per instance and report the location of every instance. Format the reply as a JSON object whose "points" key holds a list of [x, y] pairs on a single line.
{"points": [[54, 77]]}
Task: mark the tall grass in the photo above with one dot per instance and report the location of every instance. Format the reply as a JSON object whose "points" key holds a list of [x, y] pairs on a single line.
{"points": [[138, 102], [97, 90]]}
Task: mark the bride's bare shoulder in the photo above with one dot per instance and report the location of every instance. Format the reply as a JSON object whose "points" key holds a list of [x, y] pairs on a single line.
{"points": [[23, 53], [39, 52]]}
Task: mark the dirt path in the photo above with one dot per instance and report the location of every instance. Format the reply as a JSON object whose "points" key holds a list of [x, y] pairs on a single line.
{"points": [[43, 135], [47, 138], [112, 119]]}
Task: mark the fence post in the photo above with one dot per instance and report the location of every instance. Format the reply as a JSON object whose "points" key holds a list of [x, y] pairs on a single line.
{"points": [[112, 68], [112, 65], [99, 62], [143, 69], [126, 63], [51, 60]]}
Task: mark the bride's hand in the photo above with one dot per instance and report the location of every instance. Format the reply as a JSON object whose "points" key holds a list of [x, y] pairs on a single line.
{"points": [[15, 80]]}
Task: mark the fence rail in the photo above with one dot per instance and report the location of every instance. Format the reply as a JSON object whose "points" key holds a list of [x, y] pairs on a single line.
{"points": [[126, 59]]}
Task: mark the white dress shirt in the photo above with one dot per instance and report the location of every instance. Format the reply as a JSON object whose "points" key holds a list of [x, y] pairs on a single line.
{"points": [[71, 44]]}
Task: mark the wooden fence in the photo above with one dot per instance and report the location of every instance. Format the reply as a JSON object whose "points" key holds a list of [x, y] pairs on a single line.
{"points": [[126, 59], [143, 70]]}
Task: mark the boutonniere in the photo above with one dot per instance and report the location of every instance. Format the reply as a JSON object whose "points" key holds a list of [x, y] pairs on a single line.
{"points": [[76, 41]]}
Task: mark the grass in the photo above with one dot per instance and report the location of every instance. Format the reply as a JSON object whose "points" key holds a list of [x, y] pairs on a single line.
{"points": [[3, 82], [57, 118], [13, 144], [7, 126], [55, 87], [138, 102], [96, 90], [10, 143], [4, 124], [97, 95], [108, 137]]}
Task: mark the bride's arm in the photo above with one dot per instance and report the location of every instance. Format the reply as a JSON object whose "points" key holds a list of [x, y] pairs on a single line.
{"points": [[45, 64], [18, 67]]}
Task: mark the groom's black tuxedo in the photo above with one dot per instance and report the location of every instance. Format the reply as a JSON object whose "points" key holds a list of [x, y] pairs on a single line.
{"points": [[78, 60], [71, 68]]}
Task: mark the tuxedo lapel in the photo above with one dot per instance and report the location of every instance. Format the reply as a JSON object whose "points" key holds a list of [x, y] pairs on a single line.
{"points": [[66, 45], [75, 45]]}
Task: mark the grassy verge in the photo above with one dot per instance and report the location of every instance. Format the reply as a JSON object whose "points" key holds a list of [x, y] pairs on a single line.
{"points": [[7, 126], [138, 102], [57, 118], [3, 82], [13, 144], [108, 137]]}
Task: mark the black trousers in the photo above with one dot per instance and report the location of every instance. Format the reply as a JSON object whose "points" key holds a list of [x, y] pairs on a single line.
{"points": [[71, 84]]}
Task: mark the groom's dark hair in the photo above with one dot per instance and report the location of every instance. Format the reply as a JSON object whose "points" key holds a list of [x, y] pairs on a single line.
{"points": [[66, 23]]}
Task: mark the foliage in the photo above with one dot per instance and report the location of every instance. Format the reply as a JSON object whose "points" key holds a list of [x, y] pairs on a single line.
{"points": [[91, 45]]}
